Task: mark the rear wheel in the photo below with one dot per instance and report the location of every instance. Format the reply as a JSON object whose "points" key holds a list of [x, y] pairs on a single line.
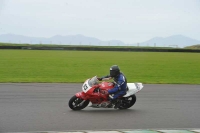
{"points": [[76, 103], [127, 102]]}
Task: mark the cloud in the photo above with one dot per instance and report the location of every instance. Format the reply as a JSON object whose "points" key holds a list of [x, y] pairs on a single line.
{"points": [[129, 21], [1, 5]]}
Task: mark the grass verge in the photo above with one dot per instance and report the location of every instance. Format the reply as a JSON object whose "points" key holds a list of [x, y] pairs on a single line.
{"points": [[76, 66]]}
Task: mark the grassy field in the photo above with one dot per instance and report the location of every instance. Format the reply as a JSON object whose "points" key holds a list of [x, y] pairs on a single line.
{"points": [[76, 66]]}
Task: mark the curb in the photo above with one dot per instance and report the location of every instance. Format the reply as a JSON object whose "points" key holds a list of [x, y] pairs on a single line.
{"points": [[120, 131]]}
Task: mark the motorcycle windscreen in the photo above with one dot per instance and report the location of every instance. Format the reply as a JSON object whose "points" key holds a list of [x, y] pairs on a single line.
{"points": [[89, 83]]}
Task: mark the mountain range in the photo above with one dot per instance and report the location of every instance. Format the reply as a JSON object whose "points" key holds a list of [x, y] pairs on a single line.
{"points": [[171, 41]]}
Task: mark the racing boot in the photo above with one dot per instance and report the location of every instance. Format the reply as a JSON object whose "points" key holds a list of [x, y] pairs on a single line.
{"points": [[114, 102], [117, 103]]}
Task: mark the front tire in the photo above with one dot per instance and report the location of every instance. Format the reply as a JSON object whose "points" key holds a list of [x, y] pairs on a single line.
{"points": [[127, 102], [76, 103]]}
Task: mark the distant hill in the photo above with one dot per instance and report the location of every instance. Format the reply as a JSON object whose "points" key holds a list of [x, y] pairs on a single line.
{"points": [[172, 41], [58, 39], [193, 47]]}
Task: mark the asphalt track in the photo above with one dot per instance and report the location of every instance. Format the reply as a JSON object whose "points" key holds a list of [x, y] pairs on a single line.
{"points": [[44, 107]]}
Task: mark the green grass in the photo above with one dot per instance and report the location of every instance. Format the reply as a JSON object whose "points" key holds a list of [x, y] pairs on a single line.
{"points": [[77, 66]]}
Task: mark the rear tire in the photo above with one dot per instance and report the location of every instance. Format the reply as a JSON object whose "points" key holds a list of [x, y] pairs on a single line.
{"points": [[76, 103], [127, 102]]}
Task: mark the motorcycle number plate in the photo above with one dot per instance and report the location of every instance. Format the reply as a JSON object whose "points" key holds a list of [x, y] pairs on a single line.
{"points": [[86, 87]]}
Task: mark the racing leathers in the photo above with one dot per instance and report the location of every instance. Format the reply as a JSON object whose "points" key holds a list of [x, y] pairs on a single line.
{"points": [[120, 87]]}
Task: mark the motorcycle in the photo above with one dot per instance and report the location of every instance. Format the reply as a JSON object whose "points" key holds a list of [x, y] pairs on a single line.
{"points": [[94, 94]]}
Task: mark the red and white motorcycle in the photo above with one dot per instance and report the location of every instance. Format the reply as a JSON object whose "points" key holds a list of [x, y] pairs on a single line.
{"points": [[94, 94]]}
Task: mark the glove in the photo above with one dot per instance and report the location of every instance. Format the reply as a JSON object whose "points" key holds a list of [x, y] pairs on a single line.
{"points": [[100, 79]]}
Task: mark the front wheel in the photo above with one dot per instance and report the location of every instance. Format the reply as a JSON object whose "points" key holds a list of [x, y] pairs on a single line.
{"points": [[127, 102], [76, 103]]}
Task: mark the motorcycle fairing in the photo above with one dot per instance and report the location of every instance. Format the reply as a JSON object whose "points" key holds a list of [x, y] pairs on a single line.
{"points": [[81, 95], [89, 84], [133, 88]]}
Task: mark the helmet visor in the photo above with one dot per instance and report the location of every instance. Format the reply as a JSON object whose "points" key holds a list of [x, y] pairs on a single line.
{"points": [[113, 73]]}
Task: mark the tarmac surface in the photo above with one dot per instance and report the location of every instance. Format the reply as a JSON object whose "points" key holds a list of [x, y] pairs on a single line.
{"points": [[44, 107]]}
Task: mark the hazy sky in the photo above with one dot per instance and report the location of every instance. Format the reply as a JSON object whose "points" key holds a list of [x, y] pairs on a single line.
{"points": [[130, 21]]}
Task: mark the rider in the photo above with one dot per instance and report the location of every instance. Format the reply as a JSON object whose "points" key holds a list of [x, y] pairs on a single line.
{"points": [[120, 81]]}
